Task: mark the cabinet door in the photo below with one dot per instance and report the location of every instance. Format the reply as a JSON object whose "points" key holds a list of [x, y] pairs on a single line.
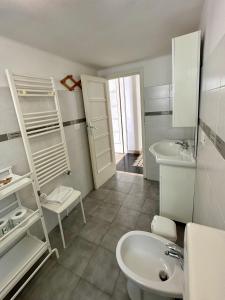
{"points": [[186, 64], [177, 193]]}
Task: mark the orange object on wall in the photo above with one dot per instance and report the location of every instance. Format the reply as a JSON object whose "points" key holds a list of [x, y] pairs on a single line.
{"points": [[70, 83]]}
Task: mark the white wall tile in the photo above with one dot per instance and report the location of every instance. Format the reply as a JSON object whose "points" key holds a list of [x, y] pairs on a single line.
{"points": [[221, 118], [202, 193], [159, 91], [13, 154], [71, 105], [8, 120], [161, 104], [213, 70], [209, 110], [209, 203], [222, 61]]}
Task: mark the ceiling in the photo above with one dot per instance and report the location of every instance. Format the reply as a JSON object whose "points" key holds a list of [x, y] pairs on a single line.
{"points": [[100, 33]]}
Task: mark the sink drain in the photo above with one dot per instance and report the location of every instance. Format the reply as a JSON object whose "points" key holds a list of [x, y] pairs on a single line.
{"points": [[163, 275]]}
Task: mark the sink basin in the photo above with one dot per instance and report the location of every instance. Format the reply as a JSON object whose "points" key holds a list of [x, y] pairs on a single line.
{"points": [[166, 148], [167, 152]]}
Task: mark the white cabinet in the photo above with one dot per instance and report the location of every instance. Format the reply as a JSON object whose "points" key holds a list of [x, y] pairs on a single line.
{"points": [[177, 192], [186, 64]]}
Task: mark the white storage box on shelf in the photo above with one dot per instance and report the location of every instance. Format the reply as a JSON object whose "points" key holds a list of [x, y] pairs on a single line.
{"points": [[19, 250]]}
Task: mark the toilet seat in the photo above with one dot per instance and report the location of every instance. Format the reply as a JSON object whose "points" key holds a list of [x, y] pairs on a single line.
{"points": [[164, 227]]}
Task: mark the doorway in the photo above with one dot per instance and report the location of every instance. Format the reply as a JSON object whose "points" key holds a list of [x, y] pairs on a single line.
{"points": [[125, 101]]}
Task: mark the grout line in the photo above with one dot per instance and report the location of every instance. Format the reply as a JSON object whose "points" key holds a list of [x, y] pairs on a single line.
{"points": [[85, 279], [99, 289]]}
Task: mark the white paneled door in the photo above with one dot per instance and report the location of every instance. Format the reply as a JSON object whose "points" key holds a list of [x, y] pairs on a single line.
{"points": [[99, 123]]}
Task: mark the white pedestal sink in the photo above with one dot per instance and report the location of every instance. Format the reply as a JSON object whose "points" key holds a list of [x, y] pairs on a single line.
{"points": [[177, 177]]}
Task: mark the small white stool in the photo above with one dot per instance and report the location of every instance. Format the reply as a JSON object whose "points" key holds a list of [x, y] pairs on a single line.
{"points": [[164, 227], [74, 199]]}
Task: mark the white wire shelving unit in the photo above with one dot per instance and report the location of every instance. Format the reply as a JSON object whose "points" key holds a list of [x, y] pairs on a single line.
{"points": [[19, 249]]}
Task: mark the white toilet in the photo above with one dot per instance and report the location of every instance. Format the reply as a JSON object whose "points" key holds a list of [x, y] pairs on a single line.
{"points": [[151, 275]]}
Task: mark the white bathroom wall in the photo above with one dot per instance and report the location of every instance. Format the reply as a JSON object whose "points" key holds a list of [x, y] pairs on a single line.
{"points": [[209, 204], [20, 58], [157, 77], [156, 71]]}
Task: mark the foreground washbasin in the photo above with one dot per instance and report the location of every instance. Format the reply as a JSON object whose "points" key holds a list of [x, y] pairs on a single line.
{"points": [[167, 152], [141, 257]]}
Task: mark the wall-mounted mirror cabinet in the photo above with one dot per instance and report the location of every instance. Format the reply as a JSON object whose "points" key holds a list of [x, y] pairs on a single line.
{"points": [[186, 66]]}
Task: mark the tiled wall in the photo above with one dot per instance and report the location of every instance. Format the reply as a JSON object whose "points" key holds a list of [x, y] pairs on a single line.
{"points": [[209, 207], [22, 59], [156, 75], [158, 123]]}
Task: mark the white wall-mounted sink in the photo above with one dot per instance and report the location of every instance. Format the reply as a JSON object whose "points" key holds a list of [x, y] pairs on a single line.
{"points": [[167, 152]]}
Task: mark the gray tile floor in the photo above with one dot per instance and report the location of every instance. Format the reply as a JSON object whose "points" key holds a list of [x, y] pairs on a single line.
{"points": [[87, 269]]}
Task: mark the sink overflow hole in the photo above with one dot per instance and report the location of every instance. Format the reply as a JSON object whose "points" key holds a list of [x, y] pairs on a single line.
{"points": [[163, 275]]}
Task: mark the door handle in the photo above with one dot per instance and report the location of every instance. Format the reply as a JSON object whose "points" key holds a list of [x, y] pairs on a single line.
{"points": [[91, 126]]}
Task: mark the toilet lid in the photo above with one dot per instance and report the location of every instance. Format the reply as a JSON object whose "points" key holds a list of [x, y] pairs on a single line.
{"points": [[164, 227]]}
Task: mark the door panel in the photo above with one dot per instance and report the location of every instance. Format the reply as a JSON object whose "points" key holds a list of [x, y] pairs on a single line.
{"points": [[102, 143], [99, 123], [99, 110]]}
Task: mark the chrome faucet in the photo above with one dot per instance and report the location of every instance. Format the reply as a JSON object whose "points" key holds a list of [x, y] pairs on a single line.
{"points": [[183, 144], [175, 252]]}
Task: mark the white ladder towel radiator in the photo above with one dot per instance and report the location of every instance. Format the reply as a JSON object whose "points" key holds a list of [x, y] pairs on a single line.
{"points": [[49, 162], [29, 93]]}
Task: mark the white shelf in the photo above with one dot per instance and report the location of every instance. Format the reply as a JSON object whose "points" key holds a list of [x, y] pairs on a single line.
{"points": [[18, 260], [17, 183], [19, 230]]}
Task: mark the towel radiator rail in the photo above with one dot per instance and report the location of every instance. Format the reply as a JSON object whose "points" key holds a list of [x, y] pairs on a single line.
{"points": [[53, 161]]}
